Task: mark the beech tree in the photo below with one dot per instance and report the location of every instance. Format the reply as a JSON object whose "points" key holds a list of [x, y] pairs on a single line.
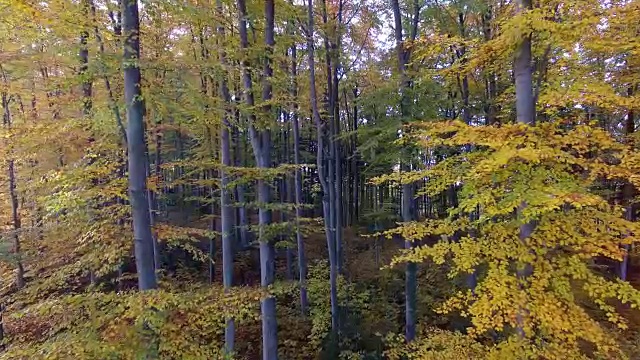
{"points": [[136, 142]]}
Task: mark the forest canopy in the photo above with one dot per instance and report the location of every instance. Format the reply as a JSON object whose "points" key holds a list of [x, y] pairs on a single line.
{"points": [[328, 179]]}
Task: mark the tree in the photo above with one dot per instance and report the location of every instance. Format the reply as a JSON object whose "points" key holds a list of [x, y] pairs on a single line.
{"points": [[226, 211], [261, 144], [408, 190], [143, 238], [495, 148], [302, 261], [325, 173]]}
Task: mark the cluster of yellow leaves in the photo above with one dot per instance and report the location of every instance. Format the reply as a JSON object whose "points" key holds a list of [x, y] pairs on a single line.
{"points": [[436, 344], [128, 325], [555, 170]]}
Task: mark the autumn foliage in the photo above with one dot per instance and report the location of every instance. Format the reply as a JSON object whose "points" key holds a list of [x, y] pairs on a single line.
{"points": [[329, 179]]}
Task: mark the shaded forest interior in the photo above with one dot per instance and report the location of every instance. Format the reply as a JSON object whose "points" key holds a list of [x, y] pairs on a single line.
{"points": [[329, 179]]}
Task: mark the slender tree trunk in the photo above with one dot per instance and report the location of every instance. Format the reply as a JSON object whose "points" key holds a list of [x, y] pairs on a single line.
{"points": [[285, 187], [226, 208], [302, 261], [324, 175], [143, 238], [261, 143], [408, 190], [525, 114], [267, 251], [357, 185], [13, 196], [331, 210], [156, 200], [213, 227], [241, 212], [334, 55]]}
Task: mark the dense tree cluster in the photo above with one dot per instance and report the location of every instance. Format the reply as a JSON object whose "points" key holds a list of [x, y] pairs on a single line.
{"points": [[332, 179]]}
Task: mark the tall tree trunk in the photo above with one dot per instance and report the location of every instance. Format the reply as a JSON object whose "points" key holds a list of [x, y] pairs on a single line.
{"points": [[143, 238], [324, 175], [408, 190], [333, 246], [261, 143], [267, 251], [332, 164], [285, 186], [226, 208], [302, 261], [357, 185], [525, 114], [334, 57]]}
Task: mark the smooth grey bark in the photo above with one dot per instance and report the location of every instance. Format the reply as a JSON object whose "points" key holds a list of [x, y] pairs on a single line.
{"points": [[227, 227], [143, 238], [267, 251], [525, 114], [331, 208], [285, 186], [226, 207], [241, 216], [323, 172], [261, 144], [333, 57], [523, 73], [408, 190], [302, 260]]}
